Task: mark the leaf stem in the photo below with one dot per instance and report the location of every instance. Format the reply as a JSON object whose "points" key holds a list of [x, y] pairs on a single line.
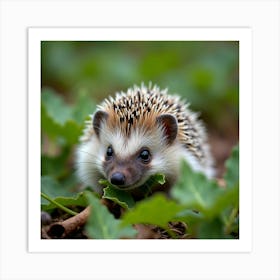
{"points": [[60, 206]]}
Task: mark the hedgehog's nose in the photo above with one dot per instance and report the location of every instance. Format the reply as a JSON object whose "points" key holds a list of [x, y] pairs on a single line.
{"points": [[118, 179]]}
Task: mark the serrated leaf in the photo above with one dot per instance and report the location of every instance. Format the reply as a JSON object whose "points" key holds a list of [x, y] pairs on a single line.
{"points": [[57, 119], [122, 198], [156, 210], [102, 224], [57, 109], [197, 192], [54, 190], [76, 200], [69, 131]]}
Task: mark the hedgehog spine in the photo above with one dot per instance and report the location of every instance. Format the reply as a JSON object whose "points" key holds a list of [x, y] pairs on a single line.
{"points": [[139, 133]]}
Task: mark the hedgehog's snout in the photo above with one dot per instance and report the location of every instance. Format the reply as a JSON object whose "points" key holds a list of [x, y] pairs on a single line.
{"points": [[118, 179]]}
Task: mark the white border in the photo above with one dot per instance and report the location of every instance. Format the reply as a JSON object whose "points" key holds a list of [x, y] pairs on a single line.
{"points": [[263, 16], [243, 35]]}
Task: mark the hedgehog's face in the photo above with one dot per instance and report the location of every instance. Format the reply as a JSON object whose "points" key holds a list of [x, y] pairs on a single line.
{"points": [[127, 172], [129, 160]]}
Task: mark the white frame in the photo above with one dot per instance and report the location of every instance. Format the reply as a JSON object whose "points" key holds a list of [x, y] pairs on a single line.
{"points": [[243, 35], [262, 262]]}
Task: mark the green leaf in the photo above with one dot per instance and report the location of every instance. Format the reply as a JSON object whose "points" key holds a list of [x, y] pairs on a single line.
{"points": [[195, 191], [57, 119], [125, 198], [57, 109], [122, 198], [211, 230], [232, 168], [84, 106], [53, 189], [189, 216], [55, 166], [147, 188], [51, 166], [155, 179], [102, 224], [58, 205], [49, 126], [69, 131], [76, 200], [156, 210]]}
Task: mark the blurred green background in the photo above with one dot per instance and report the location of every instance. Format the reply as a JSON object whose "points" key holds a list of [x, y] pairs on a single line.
{"points": [[205, 73]]}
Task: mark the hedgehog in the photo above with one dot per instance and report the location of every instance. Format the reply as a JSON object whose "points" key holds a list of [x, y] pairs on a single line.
{"points": [[140, 133]]}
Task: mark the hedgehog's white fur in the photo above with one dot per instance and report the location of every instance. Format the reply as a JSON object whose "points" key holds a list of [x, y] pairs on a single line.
{"points": [[165, 158]]}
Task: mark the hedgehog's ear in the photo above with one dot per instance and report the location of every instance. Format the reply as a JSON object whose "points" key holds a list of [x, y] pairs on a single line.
{"points": [[98, 118], [170, 126]]}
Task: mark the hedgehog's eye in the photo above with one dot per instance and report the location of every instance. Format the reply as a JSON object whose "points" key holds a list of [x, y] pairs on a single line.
{"points": [[109, 153], [145, 156]]}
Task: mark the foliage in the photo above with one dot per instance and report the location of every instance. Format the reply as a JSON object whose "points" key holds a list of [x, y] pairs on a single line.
{"points": [[103, 225], [156, 210], [62, 126], [76, 75], [195, 193], [206, 73], [210, 211], [61, 121], [214, 203], [125, 199]]}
